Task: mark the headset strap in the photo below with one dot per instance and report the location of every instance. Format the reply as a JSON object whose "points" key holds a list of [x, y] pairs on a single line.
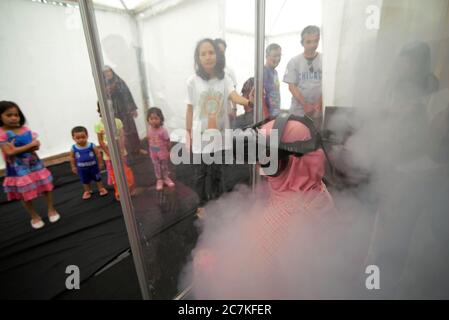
{"points": [[298, 148], [279, 125]]}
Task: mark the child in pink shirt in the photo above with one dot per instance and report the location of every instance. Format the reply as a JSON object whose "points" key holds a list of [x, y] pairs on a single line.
{"points": [[159, 147]]}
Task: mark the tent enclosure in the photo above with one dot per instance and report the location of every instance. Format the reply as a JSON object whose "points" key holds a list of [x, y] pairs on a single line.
{"points": [[47, 64]]}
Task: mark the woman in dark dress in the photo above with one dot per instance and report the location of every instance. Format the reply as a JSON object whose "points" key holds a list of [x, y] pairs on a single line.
{"points": [[125, 108]]}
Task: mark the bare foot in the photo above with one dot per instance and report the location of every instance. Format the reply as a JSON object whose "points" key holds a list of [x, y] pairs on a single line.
{"points": [[87, 195]]}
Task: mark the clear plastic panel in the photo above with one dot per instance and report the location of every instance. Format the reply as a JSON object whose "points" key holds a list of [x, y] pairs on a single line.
{"points": [[150, 60]]}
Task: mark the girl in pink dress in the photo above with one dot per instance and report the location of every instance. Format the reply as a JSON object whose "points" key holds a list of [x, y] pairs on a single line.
{"points": [[26, 177]]}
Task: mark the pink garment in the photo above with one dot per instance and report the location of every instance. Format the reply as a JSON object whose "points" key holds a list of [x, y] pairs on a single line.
{"points": [[158, 143], [28, 187], [298, 190], [298, 210]]}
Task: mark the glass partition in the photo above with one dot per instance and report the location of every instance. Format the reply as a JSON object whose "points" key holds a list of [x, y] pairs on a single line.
{"points": [[157, 66]]}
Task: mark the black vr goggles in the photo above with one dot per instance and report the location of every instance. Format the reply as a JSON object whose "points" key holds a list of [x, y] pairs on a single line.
{"points": [[261, 148]]}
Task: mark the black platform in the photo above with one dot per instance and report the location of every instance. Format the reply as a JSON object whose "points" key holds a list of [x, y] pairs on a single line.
{"points": [[89, 235], [92, 233]]}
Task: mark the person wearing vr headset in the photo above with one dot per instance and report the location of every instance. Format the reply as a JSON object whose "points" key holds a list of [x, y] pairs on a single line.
{"points": [[248, 267], [303, 76]]}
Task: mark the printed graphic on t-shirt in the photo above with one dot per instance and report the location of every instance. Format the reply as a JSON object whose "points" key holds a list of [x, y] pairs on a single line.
{"points": [[211, 104], [308, 75], [155, 143], [78, 155]]}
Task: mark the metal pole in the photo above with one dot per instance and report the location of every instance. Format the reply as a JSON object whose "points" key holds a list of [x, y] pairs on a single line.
{"points": [[96, 61], [139, 57], [258, 73]]}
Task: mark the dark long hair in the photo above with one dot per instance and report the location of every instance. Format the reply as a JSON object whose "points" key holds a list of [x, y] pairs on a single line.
{"points": [[156, 111], [219, 65], [5, 105]]}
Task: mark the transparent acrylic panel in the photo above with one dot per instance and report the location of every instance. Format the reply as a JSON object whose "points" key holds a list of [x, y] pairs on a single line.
{"points": [[150, 55], [284, 23], [386, 95], [375, 228]]}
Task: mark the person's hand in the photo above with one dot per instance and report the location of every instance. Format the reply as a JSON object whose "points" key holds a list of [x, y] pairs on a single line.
{"points": [[74, 170], [309, 109], [34, 145], [10, 146], [134, 113], [317, 109]]}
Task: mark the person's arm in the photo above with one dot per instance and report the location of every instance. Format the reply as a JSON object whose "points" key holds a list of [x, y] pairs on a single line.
{"points": [[309, 109], [296, 93], [103, 145], [267, 88], [291, 77], [72, 162], [99, 158], [166, 136], [121, 140], [10, 150], [238, 99], [189, 121]]}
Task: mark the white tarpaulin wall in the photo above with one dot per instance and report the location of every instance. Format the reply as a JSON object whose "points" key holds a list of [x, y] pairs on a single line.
{"points": [[46, 70], [45, 66]]}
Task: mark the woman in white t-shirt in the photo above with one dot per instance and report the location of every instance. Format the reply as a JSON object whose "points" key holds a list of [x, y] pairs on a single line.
{"points": [[208, 92]]}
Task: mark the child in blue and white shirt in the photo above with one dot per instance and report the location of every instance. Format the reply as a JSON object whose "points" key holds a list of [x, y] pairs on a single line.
{"points": [[86, 161]]}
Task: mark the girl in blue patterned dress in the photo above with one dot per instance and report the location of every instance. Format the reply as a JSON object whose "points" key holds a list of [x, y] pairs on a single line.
{"points": [[26, 177]]}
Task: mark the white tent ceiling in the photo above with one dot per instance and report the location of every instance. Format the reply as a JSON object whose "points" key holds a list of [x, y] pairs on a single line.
{"points": [[127, 4], [135, 6], [282, 16]]}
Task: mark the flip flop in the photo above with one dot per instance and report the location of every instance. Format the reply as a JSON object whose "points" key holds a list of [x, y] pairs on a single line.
{"points": [[103, 192], [87, 195]]}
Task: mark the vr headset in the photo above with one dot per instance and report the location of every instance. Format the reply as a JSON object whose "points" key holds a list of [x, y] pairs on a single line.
{"points": [[260, 147]]}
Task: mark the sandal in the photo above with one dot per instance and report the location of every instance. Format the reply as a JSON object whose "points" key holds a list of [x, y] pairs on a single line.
{"points": [[103, 192], [87, 195], [54, 217], [37, 224]]}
